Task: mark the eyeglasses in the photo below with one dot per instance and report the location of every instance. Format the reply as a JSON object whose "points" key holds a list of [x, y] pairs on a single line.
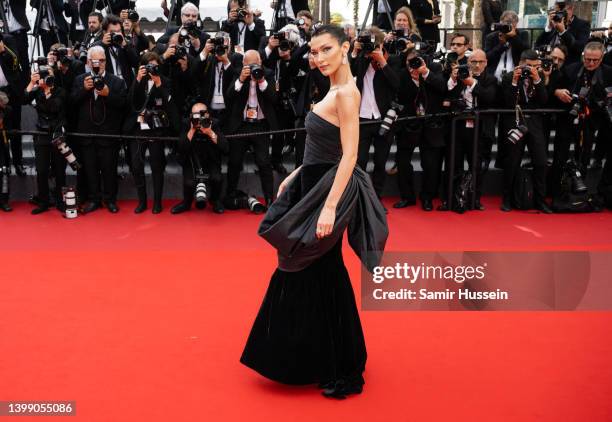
{"points": [[458, 44], [477, 61], [592, 60]]}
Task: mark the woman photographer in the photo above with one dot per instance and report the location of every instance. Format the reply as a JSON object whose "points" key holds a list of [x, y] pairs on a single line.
{"points": [[151, 115], [50, 105]]}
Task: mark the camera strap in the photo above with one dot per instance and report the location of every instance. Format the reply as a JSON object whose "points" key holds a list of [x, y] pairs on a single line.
{"points": [[519, 116]]}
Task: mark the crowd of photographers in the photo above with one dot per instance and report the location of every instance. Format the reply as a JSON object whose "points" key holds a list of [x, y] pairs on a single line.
{"points": [[115, 80]]}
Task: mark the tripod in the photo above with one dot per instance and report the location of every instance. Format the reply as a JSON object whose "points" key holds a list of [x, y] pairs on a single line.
{"points": [[370, 7], [4, 28], [171, 13], [44, 10], [279, 18]]}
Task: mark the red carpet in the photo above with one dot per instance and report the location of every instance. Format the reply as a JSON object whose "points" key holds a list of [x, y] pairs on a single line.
{"points": [[143, 318]]}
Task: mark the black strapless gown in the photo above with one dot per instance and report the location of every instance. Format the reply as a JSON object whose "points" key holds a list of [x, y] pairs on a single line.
{"points": [[308, 329]]}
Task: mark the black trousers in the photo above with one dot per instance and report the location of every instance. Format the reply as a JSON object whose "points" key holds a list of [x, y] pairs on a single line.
{"points": [[286, 120], [536, 143], [49, 38], [12, 120], [464, 150], [407, 141], [100, 166], [157, 160], [432, 158], [47, 157], [5, 166], [368, 135], [207, 157], [261, 149]]}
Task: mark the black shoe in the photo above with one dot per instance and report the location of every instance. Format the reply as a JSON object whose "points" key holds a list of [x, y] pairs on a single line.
{"points": [[142, 205], [218, 207], [91, 207], [506, 205], [279, 168], [20, 170], [41, 208], [543, 207], [478, 206], [427, 205], [5, 207], [157, 208], [180, 207], [341, 388], [443, 206], [112, 207], [403, 203]]}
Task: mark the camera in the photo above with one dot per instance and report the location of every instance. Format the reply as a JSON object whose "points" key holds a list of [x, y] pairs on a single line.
{"points": [[559, 16], [257, 71], [415, 62], [132, 14], [502, 27], [576, 182], [199, 120], [525, 71], [463, 72], [192, 29], [283, 42], [45, 76], [516, 134], [156, 119], [117, 39], [547, 63], [59, 141], [41, 61], [242, 13], [579, 103], [62, 55], [183, 38], [180, 52], [152, 69], [608, 102], [220, 47], [389, 119], [367, 42]]}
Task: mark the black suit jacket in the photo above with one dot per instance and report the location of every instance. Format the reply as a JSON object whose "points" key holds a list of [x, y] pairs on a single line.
{"points": [[57, 7], [491, 11], [163, 40], [494, 48], [71, 10], [51, 111], [9, 60], [101, 115], [539, 99], [116, 5], [386, 82], [267, 100], [203, 76], [136, 98], [421, 9], [574, 38], [601, 79], [128, 60], [251, 38], [18, 8]]}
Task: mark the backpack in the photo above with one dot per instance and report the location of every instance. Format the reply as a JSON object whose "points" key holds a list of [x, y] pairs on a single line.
{"points": [[571, 199], [523, 190]]}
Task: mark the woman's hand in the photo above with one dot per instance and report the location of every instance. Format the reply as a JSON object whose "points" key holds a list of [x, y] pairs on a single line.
{"points": [[325, 224]]}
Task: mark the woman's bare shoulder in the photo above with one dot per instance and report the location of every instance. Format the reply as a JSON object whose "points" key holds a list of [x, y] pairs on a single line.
{"points": [[348, 94]]}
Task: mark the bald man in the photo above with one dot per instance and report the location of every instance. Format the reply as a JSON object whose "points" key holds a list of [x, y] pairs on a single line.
{"points": [[252, 97], [472, 88]]}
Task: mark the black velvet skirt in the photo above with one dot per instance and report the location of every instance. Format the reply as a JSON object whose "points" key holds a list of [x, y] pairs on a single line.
{"points": [[307, 329]]}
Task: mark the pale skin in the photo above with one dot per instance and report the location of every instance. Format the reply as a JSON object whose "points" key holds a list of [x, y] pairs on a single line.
{"points": [[340, 107]]}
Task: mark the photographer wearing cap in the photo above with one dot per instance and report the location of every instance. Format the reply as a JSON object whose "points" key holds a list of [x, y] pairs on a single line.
{"points": [[244, 27], [422, 90], [474, 88], [201, 148], [51, 108], [99, 98], [582, 90], [378, 83], [213, 73], [152, 114], [567, 29], [252, 97], [505, 44], [524, 89]]}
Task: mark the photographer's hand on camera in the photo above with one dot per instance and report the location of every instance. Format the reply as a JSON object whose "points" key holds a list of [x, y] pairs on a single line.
{"points": [[88, 83], [245, 74], [379, 57], [273, 43]]}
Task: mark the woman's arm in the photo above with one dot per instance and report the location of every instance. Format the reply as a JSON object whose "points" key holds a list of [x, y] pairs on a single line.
{"points": [[347, 106]]}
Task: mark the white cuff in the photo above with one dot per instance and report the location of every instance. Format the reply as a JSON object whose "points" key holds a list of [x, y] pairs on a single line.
{"points": [[451, 84], [263, 84], [252, 26], [202, 55], [268, 51], [238, 85]]}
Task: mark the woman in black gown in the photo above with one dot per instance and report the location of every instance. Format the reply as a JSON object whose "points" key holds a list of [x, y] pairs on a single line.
{"points": [[308, 329]]}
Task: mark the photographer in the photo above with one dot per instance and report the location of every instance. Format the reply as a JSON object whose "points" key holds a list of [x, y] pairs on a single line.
{"points": [[151, 115], [12, 86], [565, 28], [282, 56], [472, 88], [99, 97], [213, 73], [285, 12], [121, 58], [252, 97], [402, 38], [303, 20], [505, 45], [177, 65], [459, 45], [5, 158], [244, 28], [582, 89], [378, 84], [79, 11], [422, 90], [428, 16], [201, 148], [380, 17], [50, 106], [93, 34], [525, 88], [133, 32], [189, 34]]}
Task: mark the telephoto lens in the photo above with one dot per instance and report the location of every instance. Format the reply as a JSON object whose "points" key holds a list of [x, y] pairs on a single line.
{"points": [[201, 193], [256, 71], [387, 122], [59, 141], [504, 28], [367, 41], [255, 206], [70, 201]]}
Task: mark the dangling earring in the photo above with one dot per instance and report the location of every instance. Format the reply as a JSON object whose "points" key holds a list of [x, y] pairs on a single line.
{"points": [[344, 59]]}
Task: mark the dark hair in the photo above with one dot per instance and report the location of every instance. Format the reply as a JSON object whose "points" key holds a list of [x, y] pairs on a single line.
{"points": [[335, 31], [111, 20], [563, 49], [304, 14], [457, 35], [529, 55], [148, 56], [97, 15]]}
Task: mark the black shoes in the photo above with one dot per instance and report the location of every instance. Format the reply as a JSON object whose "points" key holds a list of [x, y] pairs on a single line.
{"points": [[506, 205], [181, 207], [40, 209], [218, 207], [91, 207], [157, 207], [112, 207], [341, 388], [443, 206], [543, 207], [4, 206], [478, 206], [403, 203], [427, 205], [142, 206]]}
